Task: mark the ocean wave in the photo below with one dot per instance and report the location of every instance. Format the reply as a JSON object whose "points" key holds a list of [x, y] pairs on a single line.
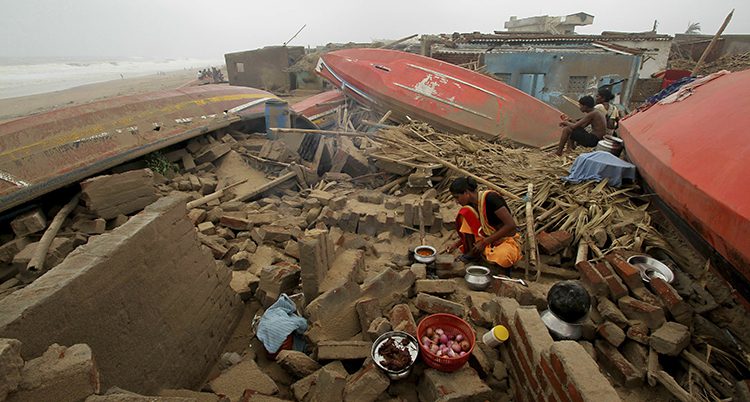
{"points": [[25, 77]]}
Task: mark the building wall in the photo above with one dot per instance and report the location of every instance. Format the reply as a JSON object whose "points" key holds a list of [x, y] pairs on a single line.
{"points": [[655, 57], [264, 68], [693, 46], [542, 369], [564, 73], [152, 305]]}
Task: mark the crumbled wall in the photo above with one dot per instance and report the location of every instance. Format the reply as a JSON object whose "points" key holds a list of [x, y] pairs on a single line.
{"points": [[544, 370], [155, 309]]}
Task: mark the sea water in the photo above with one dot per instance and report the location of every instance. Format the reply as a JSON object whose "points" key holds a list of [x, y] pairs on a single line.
{"points": [[22, 77]]}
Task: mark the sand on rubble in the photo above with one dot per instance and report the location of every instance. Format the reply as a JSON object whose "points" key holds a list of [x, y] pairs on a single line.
{"points": [[12, 108]]}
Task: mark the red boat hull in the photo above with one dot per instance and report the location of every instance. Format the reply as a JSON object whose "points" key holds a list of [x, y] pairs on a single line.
{"points": [[43, 152], [321, 108], [695, 154], [449, 97]]}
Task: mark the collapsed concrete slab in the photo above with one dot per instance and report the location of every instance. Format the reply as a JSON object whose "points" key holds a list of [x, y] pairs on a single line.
{"points": [[144, 297], [333, 315], [243, 376], [11, 364], [60, 374]]}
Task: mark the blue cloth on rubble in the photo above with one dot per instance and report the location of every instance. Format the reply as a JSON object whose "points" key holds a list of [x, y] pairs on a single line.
{"points": [[599, 165], [278, 322]]}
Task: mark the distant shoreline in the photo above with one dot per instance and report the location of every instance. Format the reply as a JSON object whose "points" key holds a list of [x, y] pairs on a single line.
{"points": [[13, 108]]}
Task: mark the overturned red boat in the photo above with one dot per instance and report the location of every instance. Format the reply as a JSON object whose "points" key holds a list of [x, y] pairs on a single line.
{"points": [[449, 97], [321, 108], [692, 148]]}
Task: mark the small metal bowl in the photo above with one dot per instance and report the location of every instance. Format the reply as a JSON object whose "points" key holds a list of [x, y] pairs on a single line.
{"points": [[651, 268], [398, 337], [425, 259]]}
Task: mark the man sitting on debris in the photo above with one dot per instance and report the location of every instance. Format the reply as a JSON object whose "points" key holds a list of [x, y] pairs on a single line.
{"points": [[484, 224], [574, 132]]}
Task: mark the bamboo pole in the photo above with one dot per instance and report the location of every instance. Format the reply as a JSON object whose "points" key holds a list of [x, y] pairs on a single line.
{"points": [[462, 171], [385, 117], [583, 252], [213, 196], [322, 132], [396, 42], [673, 387], [530, 232], [40, 253], [711, 45], [268, 186]]}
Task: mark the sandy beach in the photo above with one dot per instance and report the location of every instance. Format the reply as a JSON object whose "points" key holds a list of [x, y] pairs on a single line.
{"points": [[12, 108]]}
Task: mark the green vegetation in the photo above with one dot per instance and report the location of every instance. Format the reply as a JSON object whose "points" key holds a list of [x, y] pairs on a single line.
{"points": [[157, 162]]}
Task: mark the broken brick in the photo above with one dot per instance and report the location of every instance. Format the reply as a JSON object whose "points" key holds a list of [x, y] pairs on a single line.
{"points": [[366, 385], [611, 333], [402, 319], [671, 339], [28, 223], [378, 327], [432, 304], [627, 272], [297, 363], [680, 310], [343, 350], [553, 243], [617, 365], [634, 309], [435, 286], [592, 279]]}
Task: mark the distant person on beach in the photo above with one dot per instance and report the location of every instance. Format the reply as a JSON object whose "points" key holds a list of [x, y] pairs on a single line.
{"points": [[485, 226], [610, 111], [576, 133], [121, 76]]}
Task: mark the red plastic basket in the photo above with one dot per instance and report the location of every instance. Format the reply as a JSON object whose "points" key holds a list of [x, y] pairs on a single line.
{"points": [[452, 325]]}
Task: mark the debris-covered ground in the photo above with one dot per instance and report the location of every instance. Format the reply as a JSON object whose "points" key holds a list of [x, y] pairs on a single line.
{"points": [[334, 231]]}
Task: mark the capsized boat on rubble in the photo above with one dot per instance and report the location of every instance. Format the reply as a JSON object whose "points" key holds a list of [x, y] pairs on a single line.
{"points": [[321, 108], [694, 151], [47, 151], [449, 97]]}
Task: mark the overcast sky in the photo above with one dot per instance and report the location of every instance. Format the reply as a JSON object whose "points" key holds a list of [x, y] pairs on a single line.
{"points": [[208, 29]]}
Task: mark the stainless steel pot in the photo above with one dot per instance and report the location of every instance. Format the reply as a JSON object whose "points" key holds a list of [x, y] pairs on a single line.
{"points": [[477, 277], [425, 259], [560, 329]]}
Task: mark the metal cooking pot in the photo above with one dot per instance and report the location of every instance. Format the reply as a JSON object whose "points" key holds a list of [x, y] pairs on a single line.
{"points": [[398, 336], [425, 259], [560, 329], [477, 277], [569, 301]]}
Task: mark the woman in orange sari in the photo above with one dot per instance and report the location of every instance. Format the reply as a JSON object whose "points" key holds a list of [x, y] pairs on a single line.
{"points": [[485, 225]]}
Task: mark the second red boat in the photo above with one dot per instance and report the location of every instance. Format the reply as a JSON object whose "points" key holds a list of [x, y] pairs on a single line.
{"points": [[449, 97]]}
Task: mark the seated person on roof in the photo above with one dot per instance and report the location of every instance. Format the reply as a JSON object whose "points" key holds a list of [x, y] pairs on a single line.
{"points": [[575, 132], [485, 225]]}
